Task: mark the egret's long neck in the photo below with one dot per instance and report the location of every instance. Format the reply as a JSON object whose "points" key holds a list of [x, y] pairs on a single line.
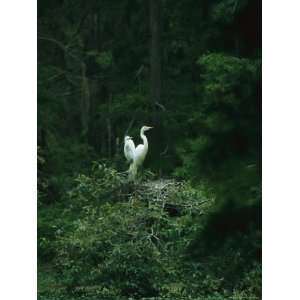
{"points": [[144, 138]]}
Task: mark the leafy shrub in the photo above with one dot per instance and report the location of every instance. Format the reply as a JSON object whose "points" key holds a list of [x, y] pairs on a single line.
{"points": [[114, 244], [102, 184], [130, 246]]}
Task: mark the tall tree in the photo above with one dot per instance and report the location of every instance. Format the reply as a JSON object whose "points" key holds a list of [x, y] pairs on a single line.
{"points": [[155, 73], [155, 55]]}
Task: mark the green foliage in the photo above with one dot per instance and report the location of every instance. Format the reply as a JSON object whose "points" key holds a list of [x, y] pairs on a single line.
{"points": [[112, 245], [103, 59], [42, 182], [225, 11], [102, 184], [228, 80], [228, 91], [133, 247]]}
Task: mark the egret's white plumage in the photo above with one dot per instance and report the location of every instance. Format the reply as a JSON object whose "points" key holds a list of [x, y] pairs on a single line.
{"points": [[142, 149], [129, 148], [136, 156]]}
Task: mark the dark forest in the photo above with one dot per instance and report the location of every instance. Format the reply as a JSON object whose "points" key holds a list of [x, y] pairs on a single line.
{"points": [[189, 227]]}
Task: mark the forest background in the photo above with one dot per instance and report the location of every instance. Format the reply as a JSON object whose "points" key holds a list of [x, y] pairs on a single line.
{"points": [[191, 69]]}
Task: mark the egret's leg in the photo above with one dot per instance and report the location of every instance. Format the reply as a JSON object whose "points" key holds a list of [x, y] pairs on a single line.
{"points": [[132, 172]]}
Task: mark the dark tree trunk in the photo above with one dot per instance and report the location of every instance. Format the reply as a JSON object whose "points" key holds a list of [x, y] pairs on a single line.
{"points": [[85, 101], [155, 55], [94, 84], [157, 139], [109, 128]]}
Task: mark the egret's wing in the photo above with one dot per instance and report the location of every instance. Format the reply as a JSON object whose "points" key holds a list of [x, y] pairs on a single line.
{"points": [[129, 150], [139, 149], [140, 154]]}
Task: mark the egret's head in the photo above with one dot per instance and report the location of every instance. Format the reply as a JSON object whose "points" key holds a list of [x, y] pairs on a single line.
{"points": [[127, 138], [145, 128]]}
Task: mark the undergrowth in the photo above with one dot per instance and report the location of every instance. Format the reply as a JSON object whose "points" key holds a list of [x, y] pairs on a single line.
{"points": [[159, 239]]}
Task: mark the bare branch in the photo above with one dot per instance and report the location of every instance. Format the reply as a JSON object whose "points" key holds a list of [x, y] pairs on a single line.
{"points": [[160, 106]]}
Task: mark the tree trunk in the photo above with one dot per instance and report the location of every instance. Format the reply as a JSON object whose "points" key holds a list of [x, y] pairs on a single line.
{"points": [[155, 55], [109, 128], [85, 101], [157, 139]]}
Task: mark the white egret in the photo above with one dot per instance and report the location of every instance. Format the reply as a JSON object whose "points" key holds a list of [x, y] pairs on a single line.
{"points": [[142, 149], [136, 156], [129, 148]]}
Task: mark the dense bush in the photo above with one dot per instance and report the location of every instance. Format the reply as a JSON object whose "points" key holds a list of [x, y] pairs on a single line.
{"points": [[134, 246]]}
